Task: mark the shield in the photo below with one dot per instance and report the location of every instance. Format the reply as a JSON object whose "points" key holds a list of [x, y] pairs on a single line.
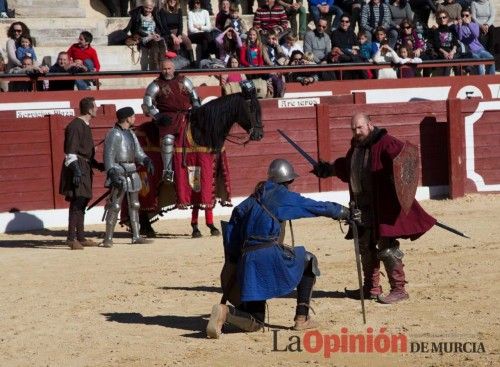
{"points": [[405, 170]]}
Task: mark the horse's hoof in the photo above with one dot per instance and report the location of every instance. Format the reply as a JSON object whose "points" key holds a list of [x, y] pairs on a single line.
{"points": [[196, 234]]}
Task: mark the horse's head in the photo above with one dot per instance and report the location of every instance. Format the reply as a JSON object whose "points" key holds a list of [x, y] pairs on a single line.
{"points": [[254, 125]]}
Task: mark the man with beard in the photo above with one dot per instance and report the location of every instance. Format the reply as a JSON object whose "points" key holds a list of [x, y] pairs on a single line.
{"points": [[368, 168], [168, 99]]}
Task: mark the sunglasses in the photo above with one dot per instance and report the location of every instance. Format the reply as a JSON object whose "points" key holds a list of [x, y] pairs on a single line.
{"points": [[321, 26], [443, 17], [18, 30], [345, 21], [407, 27], [465, 15]]}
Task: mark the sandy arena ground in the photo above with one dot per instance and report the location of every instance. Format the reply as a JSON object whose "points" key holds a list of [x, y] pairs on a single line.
{"points": [[148, 305]]}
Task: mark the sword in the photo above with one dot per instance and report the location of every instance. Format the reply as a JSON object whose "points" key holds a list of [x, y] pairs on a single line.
{"points": [[357, 254], [302, 152], [450, 229], [99, 199]]}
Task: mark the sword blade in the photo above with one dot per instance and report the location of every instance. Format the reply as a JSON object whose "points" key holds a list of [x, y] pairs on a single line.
{"points": [[99, 199], [302, 152], [452, 230], [358, 263]]}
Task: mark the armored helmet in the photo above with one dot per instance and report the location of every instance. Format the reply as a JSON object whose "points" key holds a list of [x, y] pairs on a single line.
{"points": [[280, 170]]}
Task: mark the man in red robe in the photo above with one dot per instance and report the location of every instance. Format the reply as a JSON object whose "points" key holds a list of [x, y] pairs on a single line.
{"points": [[368, 168]]}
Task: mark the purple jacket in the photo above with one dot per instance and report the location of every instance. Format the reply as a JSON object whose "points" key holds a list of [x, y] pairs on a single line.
{"points": [[468, 34]]}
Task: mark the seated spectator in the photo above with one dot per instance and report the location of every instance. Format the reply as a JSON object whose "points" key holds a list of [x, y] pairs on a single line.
{"points": [[223, 15], [422, 10], [453, 9], [233, 77], [270, 16], [25, 48], [365, 47], [84, 54], [407, 58], [444, 41], [292, 8], [409, 37], [234, 21], [337, 56], [373, 16], [468, 33], [14, 33], [318, 42], [200, 29], [386, 54], [483, 13], [352, 9], [380, 36], [251, 53], [63, 65], [323, 9], [170, 15], [304, 78], [290, 45], [229, 44], [145, 24], [3, 67], [29, 69], [400, 10], [344, 37]]}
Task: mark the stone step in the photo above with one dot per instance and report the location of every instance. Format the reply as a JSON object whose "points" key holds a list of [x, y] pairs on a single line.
{"points": [[49, 9]]}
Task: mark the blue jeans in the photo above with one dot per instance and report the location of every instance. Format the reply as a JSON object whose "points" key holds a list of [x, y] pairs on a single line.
{"points": [[3, 6], [334, 10], [483, 54], [85, 84]]}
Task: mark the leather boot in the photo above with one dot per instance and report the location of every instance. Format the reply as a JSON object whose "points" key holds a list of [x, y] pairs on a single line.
{"points": [[303, 322], [74, 245], [213, 230], [146, 228], [196, 232], [371, 277], [397, 281]]}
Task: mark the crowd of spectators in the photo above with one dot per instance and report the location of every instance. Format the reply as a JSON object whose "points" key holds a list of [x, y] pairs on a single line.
{"points": [[345, 31]]}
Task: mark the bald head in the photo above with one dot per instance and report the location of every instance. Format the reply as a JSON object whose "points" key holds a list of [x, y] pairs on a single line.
{"points": [[168, 69], [361, 126]]}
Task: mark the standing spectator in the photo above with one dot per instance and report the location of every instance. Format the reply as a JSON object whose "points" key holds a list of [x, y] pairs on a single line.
{"points": [[145, 23], [76, 173], [468, 33], [251, 51], [344, 37], [25, 48], [386, 54], [453, 9], [324, 8], [83, 53], [270, 16], [483, 13], [318, 42], [14, 32], [234, 21], [63, 66], [407, 58], [200, 28], [3, 9], [400, 10], [374, 15], [171, 23], [444, 40], [292, 8]]}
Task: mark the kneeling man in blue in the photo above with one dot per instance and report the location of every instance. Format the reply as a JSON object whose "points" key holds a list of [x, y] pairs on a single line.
{"points": [[261, 264]]}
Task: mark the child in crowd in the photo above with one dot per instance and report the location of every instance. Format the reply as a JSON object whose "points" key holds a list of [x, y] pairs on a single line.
{"points": [[234, 77], [251, 52], [25, 48], [380, 35], [234, 21], [386, 54], [290, 45], [406, 57], [365, 47]]}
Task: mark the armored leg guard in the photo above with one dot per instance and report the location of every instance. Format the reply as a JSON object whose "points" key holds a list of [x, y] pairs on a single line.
{"points": [[167, 152], [304, 294], [392, 256], [112, 211], [133, 209]]}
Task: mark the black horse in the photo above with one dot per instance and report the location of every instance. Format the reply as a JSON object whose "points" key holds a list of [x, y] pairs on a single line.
{"points": [[209, 126], [211, 123]]}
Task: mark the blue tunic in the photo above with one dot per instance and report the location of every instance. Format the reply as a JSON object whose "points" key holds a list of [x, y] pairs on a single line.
{"points": [[269, 272]]}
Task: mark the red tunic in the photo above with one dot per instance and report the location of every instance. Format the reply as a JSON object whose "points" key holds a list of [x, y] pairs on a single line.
{"points": [[173, 100], [390, 220]]}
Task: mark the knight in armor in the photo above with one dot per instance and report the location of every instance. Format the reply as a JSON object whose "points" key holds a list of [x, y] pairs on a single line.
{"points": [[121, 153], [168, 100], [261, 264], [368, 169]]}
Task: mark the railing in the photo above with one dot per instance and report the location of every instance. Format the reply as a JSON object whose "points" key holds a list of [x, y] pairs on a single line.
{"points": [[341, 68]]}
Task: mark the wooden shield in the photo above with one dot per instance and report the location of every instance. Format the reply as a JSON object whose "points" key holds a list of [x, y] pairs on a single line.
{"points": [[405, 170]]}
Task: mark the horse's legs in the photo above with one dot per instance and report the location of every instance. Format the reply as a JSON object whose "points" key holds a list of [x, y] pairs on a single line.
{"points": [[167, 153]]}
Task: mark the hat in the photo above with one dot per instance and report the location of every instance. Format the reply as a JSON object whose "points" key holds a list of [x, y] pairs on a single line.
{"points": [[124, 112]]}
